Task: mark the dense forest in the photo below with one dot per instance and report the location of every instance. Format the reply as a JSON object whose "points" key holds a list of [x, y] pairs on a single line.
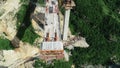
{"points": [[99, 22]]}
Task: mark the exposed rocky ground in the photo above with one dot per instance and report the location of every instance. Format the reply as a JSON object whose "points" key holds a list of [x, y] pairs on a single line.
{"points": [[14, 58], [8, 29], [8, 20]]}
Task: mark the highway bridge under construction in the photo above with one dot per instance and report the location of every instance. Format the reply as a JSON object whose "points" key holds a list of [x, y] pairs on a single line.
{"points": [[52, 45]]}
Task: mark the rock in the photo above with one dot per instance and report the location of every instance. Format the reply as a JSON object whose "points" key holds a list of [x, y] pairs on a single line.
{"points": [[73, 66], [70, 47], [113, 38], [66, 55], [15, 42], [8, 21], [81, 43]]}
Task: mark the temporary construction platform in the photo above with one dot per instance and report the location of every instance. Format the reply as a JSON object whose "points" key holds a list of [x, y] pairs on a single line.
{"points": [[52, 50]]}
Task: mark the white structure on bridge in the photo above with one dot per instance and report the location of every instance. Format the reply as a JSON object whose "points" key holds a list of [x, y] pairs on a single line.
{"points": [[68, 6], [66, 24]]}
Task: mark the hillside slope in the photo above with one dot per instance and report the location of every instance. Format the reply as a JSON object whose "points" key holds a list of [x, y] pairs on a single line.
{"points": [[99, 22]]}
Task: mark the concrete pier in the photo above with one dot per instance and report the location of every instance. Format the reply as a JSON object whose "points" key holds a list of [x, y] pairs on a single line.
{"points": [[66, 24]]}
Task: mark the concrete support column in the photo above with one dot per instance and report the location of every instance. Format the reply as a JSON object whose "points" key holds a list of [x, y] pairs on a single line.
{"points": [[66, 24]]}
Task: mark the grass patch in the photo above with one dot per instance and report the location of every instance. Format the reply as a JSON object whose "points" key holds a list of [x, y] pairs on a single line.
{"points": [[105, 8], [5, 44], [54, 64], [21, 14], [29, 35], [41, 2]]}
